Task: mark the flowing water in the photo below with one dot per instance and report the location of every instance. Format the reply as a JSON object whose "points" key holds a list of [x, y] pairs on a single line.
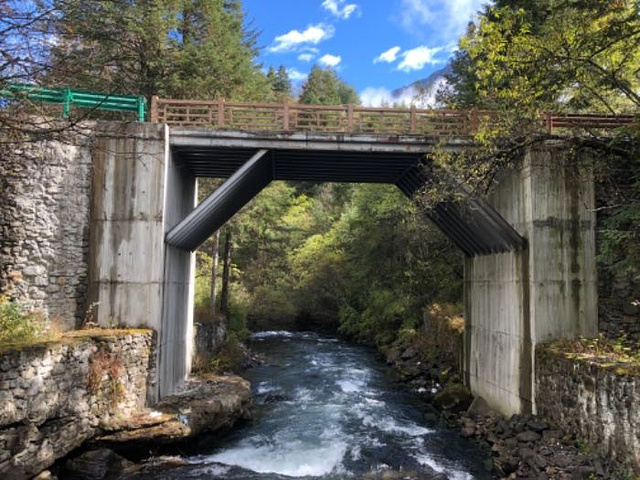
{"points": [[330, 410]]}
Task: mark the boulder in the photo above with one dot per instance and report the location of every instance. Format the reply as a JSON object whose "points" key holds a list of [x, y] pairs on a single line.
{"points": [[99, 464], [209, 405], [454, 397]]}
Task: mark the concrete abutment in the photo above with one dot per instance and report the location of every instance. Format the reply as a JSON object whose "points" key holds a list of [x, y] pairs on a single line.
{"points": [[548, 291], [139, 194]]}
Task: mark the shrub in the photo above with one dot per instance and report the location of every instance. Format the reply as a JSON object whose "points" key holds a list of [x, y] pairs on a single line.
{"points": [[18, 326]]}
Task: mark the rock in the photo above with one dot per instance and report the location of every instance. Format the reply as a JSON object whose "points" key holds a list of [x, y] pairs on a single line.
{"points": [[528, 436], [508, 465], [479, 407], [409, 353], [453, 397], [551, 436], [537, 426], [45, 475], [468, 432], [275, 397], [582, 473], [511, 442], [96, 465], [526, 453], [211, 405]]}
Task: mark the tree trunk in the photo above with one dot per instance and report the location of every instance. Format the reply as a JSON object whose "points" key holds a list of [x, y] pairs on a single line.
{"points": [[215, 255], [224, 294]]}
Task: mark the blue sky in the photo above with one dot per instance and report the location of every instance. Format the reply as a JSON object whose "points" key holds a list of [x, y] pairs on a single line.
{"points": [[375, 45]]}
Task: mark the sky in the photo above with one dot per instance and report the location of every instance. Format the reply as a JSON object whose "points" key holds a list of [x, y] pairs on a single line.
{"points": [[375, 45]]}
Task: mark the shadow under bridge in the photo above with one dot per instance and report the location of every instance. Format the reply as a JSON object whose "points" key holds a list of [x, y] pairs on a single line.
{"points": [[250, 161]]}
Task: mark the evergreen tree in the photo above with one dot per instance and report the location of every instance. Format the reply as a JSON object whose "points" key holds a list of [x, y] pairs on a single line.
{"points": [[114, 46], [282, 84], [216, 53], [323, 87], [175, 48]]}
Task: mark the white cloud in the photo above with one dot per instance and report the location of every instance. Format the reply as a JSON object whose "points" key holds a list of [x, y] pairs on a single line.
{"points": [[447, 20], [336, 8], [294, 39], [306, 57], [417, 58], [329, 60], [388, 56], [296, 75]]}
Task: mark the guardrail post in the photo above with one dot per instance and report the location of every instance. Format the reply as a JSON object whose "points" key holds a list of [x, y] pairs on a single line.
{"points": [[66, 102], [142, 102], [350, 118], [548, 121], [153, 112], [220, 112], [285, 117], [473, 117], [413, 120]]}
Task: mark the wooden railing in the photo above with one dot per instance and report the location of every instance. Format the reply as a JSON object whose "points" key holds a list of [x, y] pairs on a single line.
{"points": [[349, 118]]}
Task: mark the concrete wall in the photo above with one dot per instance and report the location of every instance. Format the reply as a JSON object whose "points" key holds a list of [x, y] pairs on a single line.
{"points": [[138, 195], [126, 248], [44, 224], [548, 291]]}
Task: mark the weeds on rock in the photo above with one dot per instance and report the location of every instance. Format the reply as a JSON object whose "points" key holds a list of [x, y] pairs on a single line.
{"points": [[105, 370], [602, 349], [20, 327]]}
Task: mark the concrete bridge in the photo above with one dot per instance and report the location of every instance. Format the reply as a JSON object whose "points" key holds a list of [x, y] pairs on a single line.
{"points": [[530, 273]]}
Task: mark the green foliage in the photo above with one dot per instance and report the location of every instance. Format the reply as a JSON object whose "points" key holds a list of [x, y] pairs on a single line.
{"points": [[375, 268], [18, 326], [323, 87], [322, 255], [551, 55], [620, 355], [174, 48], [279, 83]]}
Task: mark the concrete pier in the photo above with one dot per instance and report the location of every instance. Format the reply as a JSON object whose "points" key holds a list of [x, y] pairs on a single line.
{"points": [[548, 291]]}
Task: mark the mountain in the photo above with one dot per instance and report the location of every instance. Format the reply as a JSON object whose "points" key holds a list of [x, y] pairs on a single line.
{"points": [[422, 92]]}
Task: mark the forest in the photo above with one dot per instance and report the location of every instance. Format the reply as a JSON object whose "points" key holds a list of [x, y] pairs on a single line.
{"points": [[359, 259]]}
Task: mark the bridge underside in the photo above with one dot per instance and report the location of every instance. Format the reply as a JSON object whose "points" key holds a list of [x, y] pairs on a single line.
{"points": [[254, 161]]}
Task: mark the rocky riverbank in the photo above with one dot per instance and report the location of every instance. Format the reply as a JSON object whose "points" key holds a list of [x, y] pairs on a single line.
{"points": [[208, 406], [522, 446]]}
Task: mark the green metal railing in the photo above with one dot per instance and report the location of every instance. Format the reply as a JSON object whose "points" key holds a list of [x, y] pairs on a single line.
{"points": [[68, 97]]}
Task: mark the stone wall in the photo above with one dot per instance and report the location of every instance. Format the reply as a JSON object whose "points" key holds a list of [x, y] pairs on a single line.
{"points": [[209, 337], [598, 402], [44, 223], [56, 395]]}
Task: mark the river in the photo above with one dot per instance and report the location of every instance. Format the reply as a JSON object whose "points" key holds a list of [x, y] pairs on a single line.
{"points": [[328, 409]]}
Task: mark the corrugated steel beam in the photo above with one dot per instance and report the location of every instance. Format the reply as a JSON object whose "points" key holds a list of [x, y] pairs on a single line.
{"points": [[474, 225], [223, 203]]}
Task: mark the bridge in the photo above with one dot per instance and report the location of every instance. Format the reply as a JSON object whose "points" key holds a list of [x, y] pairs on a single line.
{"points": [[529, 250]]}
